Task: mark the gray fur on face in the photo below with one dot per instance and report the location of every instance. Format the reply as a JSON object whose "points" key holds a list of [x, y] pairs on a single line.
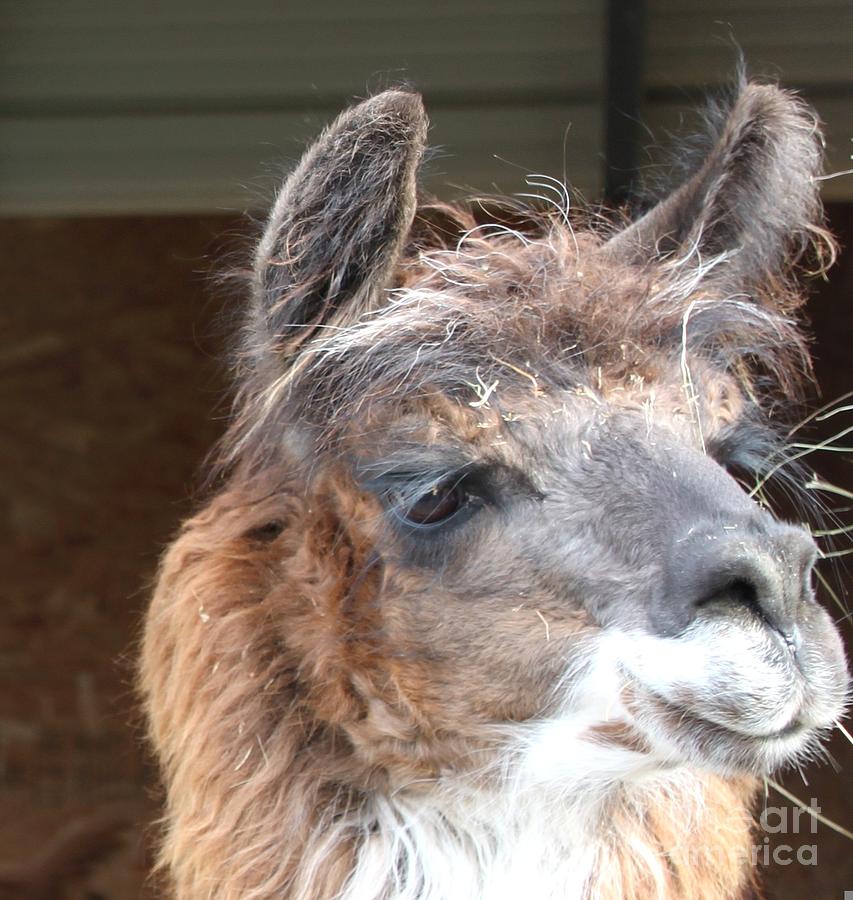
{"points": [[617, 374]]}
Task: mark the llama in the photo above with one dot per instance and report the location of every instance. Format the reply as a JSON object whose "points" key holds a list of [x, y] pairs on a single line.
{"points": [[482, 605]]}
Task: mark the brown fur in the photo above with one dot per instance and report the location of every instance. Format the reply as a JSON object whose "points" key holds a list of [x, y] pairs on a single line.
{"points": [[281, 715], [301, 655]]}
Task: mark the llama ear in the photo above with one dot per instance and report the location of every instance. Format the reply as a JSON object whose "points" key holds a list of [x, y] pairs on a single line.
{"points": [[755, 197], [338, 224]]}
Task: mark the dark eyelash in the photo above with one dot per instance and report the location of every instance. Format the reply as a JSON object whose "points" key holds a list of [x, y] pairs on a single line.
{"points": [[407, 484], [437, 507], [746, 449], [411, 489], [406, 495], [483, 483]]}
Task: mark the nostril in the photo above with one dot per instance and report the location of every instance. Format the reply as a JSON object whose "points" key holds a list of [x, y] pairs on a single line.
{"points": [[744, 593], [756, 596], [739, 592], [759, 574]]}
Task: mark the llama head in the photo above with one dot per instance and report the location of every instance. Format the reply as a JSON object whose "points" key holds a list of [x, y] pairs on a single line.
{"points": [[515, 457]]}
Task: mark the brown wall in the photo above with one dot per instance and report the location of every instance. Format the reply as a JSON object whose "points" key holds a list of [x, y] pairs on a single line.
{"points": [[109, 384], [110, 390]]}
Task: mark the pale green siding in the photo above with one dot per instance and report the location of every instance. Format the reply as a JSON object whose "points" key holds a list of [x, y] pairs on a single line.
{"points": [[805, 44], [199, 105], [194, 104]]}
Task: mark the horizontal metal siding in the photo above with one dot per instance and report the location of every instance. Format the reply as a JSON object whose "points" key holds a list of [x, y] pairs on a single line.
{"points": [[184, 106], [189, 51], [806, 45], [191, 106], [185, 163], [804, 42]]}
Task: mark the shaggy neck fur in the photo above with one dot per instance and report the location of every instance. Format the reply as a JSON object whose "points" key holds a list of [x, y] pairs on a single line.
{"points": [[266, 801], [667, 835]]}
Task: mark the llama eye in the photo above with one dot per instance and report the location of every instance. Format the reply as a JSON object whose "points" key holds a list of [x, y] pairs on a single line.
{"points": [[436, 506]]}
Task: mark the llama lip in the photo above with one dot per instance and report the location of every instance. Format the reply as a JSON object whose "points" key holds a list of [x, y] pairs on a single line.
{"points": [[793, 728], [694, 735]]}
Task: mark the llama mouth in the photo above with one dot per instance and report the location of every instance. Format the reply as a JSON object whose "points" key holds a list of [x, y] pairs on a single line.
{"points": [[686, 732], [730, 697], [794, 727]]}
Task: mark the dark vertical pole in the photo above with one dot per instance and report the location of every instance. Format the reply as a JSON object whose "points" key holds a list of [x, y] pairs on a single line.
{"points": [[625, 48]]}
